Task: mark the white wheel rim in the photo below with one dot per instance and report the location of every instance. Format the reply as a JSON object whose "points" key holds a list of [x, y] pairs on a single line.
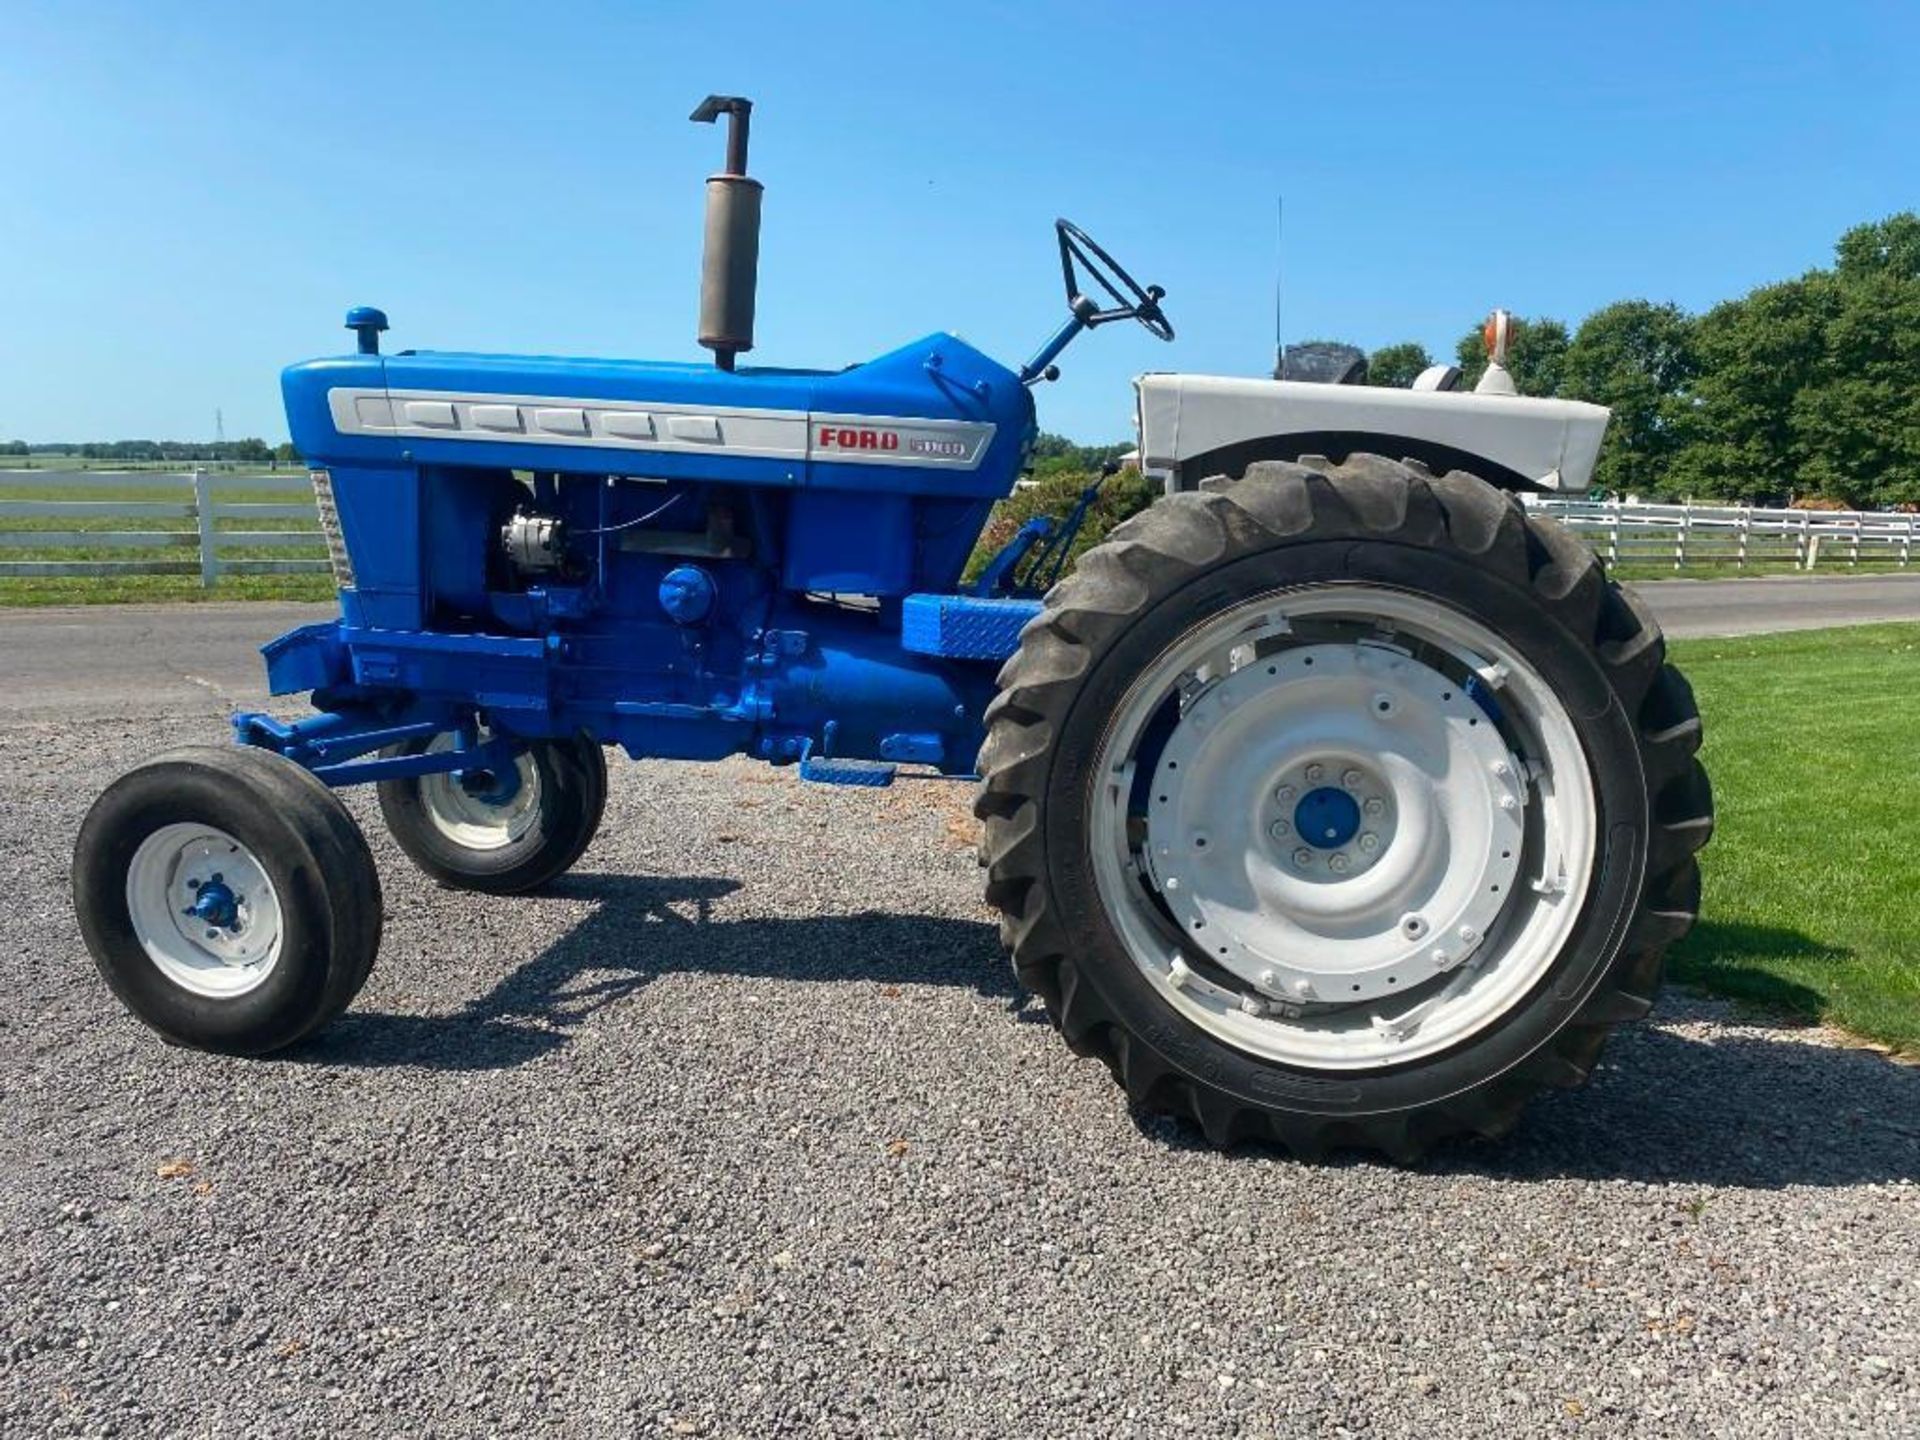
{"points": [[1425, 904], [475, 821], [204, 910]]}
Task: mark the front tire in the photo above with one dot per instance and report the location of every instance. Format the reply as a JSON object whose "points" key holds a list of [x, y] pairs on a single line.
{"points": [[228, 898], [501, 835], [1435, 827]]}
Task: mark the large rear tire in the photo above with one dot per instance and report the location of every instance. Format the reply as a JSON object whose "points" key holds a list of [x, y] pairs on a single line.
{"points": [[228, 898], [1435, 827]]}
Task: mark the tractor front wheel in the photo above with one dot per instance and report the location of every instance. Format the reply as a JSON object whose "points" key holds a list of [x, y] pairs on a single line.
{"points": [[502, 833], [227, 897], [1342, 805]]}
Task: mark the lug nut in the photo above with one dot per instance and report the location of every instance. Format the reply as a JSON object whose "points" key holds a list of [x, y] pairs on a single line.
{"points": [[1283, 794], [1303, 857], [1369, 842], [1314, 772], [1507, 802], [1375, 805], [1351, 779], [1502, 769], [1279, 829], [1468, 934], [1339, 864]]}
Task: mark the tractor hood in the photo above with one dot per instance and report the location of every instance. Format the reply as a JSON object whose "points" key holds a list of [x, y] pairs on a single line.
{"points": [[1190, 421], [937, 409]]}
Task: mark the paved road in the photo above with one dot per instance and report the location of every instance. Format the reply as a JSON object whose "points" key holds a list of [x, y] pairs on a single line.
{"points": [[741, 1129], [169, 659], [1791, 602]]}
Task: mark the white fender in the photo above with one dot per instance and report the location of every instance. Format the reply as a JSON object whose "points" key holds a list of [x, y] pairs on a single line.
{"points": [[1553, 443]]}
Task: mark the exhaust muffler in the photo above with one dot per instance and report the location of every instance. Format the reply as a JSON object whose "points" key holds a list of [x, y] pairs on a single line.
{"points": [[730, 261]]}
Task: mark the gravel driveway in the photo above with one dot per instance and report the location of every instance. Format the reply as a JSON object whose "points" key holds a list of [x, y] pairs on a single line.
{"points": [[742, 1130]]}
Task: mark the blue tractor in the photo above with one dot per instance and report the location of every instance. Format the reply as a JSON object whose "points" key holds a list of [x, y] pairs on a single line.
{"points": [[1334, 800]]}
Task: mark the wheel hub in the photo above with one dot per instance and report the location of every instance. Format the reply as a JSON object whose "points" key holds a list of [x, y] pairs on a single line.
{"points": [[1336, 823], [482, 808], [204, 909], [490, 787], [1332, 832], [1327, 818], [215, 903]]}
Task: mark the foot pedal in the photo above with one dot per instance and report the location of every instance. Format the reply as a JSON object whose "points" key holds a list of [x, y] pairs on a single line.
{"points": [[874, 774]]}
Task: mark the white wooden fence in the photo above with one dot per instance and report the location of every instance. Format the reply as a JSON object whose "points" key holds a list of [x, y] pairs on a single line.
{"points": [[1683, 536], [1679, 536], [157, 550]]}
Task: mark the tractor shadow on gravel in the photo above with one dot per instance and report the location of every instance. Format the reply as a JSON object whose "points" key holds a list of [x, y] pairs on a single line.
{"points": [[1697, 1095], [1702, 1095], [1708, 1091], [641, 929]]}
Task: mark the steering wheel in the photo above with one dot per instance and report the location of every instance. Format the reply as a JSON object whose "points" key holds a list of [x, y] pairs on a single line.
{"points": [[1079, 255]]}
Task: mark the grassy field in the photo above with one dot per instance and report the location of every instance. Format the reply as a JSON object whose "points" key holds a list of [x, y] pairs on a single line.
{"points": [[1812, 902], [113, 589], [68, 464], [143, 589]]}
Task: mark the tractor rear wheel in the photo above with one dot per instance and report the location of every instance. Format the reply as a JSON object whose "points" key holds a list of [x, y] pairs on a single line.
{"points": [[502, 834], [1342, 805], [228, 898]]}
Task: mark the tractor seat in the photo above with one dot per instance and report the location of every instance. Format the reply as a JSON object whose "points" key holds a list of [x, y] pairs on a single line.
{"points": [[1438, 377], [1322, 362]]}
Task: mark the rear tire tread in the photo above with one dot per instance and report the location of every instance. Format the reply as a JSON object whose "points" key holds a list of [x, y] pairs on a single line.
{"points": [[1364, 497]]}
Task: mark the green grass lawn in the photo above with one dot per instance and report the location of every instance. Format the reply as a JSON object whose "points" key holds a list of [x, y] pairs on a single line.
{"points": [[144, 589], [114, 589], [1812, 902]]}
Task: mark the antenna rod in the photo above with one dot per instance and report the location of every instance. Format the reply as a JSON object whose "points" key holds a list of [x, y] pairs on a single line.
{"points": [[1279, 250]]}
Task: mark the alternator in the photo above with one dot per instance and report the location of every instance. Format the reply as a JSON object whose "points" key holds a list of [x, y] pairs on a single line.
{"points": [[534, 543]]}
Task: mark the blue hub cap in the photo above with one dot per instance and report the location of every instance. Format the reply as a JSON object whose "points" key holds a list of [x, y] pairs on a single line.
{"points": [[1326, 817], [494, 787], [216, 904]]}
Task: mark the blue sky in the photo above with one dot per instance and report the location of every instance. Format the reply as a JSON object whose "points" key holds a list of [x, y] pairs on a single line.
{"points": [[194, 193]]}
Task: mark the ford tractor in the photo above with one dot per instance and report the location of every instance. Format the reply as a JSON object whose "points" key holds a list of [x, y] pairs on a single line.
{"points": [[1333, 801]]}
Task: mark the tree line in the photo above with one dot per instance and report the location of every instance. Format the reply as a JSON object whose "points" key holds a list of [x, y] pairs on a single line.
{"points": [[250, 450], [1805, 388]]}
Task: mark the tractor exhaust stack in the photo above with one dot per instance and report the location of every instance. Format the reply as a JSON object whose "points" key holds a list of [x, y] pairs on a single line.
{"points": [[729, 268]]}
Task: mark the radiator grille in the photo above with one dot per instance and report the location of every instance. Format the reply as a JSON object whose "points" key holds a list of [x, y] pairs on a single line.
{"points": [[330, 524]]}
